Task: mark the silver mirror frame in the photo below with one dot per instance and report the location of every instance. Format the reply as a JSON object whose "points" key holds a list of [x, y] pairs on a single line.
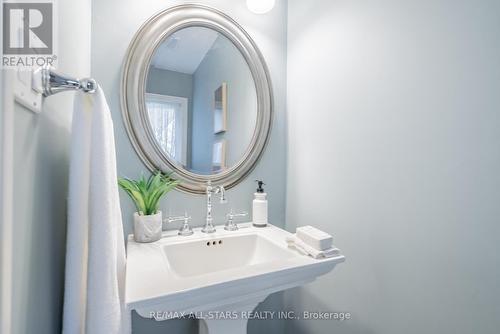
{"points": [[133, 87]]}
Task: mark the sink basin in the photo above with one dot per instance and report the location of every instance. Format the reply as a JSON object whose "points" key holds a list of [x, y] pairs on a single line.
{"points": [[199, 257], [223, 271]]}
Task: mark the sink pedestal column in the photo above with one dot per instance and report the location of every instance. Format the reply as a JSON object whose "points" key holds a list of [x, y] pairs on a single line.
{"points": [[233, 318]]}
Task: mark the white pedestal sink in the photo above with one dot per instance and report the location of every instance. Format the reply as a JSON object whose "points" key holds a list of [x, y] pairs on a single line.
{"points": [[219, 277]]}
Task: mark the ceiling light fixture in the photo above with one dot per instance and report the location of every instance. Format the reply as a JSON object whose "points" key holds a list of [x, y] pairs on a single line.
{"points": [[260, 6]]}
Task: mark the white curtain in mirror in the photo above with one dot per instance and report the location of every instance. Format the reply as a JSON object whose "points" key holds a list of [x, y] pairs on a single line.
{"points": [[168, 119]]}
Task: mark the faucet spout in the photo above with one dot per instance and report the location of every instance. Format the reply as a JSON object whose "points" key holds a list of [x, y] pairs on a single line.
{"points": [[220, 190], [209, 226]]}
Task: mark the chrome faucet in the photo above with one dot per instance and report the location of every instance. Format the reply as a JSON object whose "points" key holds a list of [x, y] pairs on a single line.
{"points": [[209, 227]]}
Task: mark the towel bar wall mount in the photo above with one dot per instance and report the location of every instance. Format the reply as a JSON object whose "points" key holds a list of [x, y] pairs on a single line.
{"points": [[53, 82]]}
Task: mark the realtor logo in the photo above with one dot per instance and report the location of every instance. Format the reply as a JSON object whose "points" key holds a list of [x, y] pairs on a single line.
{"points": [[28, 29]]}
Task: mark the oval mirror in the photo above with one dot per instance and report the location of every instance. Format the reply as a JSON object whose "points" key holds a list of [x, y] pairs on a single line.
{"points": [[196, 97]]}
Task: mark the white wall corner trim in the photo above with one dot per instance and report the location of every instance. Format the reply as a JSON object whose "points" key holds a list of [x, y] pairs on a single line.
{"points": [[6, 194]]}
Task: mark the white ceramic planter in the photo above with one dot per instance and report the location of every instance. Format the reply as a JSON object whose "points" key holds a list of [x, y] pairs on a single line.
{"points": [[147, 228]]}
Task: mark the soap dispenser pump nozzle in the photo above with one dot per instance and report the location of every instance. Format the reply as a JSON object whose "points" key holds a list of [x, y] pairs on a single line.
{"points": [[260, 183]]}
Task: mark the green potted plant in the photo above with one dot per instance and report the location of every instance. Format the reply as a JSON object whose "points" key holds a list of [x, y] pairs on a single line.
{"points": [[146, 194]]}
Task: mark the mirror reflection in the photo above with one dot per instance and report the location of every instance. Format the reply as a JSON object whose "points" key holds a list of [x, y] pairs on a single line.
{"points": [[201, 100]]}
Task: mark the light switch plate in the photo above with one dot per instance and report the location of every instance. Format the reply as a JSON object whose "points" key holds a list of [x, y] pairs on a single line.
{"points": [[24, 92]]}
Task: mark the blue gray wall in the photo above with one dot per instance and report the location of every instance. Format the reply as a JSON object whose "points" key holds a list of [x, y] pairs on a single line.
{"points": [[223, 63], [394, 148], [167, 82], [114, 23]]}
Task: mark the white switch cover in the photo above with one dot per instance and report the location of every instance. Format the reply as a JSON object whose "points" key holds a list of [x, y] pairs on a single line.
{"points": [[24, 92]]}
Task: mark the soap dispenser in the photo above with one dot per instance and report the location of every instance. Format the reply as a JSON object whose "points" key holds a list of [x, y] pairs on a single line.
{"points": [[259, 212]]}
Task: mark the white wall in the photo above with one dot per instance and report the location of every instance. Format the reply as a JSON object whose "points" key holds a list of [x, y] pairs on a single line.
{"points": [[114, 23], [38, 199], [6, 184], [5, 212], [394, 148]]}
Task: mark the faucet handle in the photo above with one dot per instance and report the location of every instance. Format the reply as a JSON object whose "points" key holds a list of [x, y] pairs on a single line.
{"points": [[185, 229], [175, 219], [230, 225], [232, 215]]}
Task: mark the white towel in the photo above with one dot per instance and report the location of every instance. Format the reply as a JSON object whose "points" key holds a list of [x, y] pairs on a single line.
{"points": [[95, 251], [305, 249]]}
